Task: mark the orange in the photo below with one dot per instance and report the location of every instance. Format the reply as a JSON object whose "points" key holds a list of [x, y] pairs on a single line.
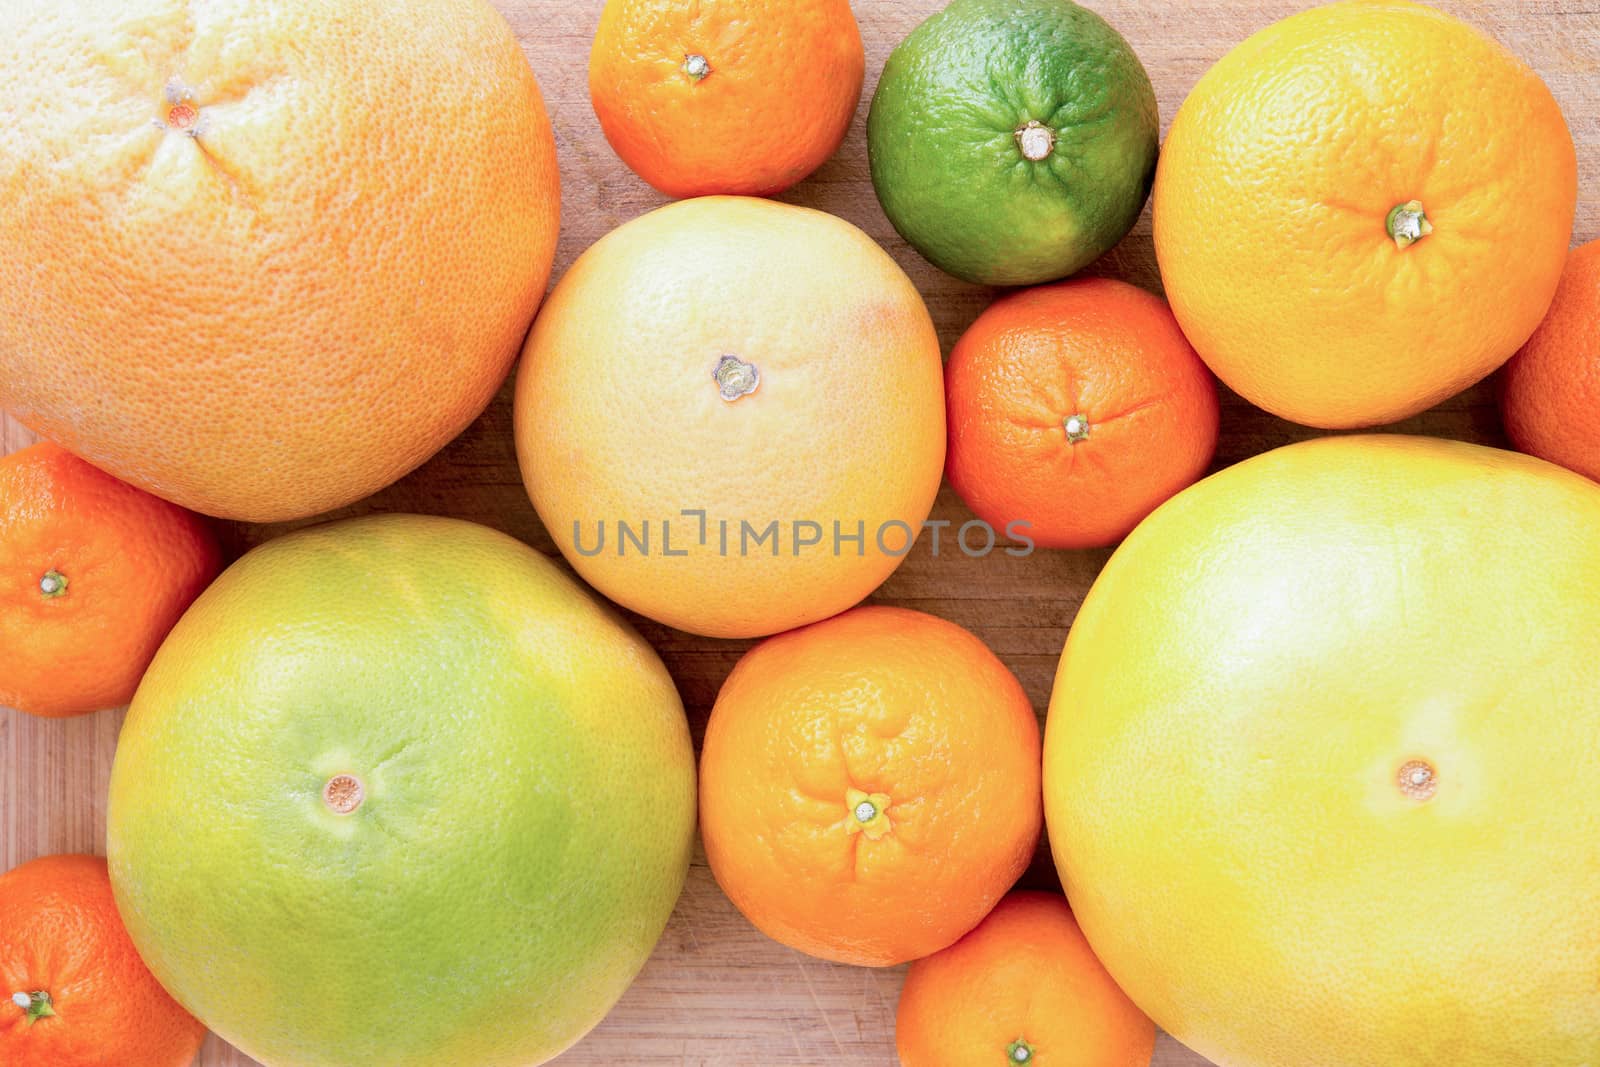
{"points": [[730, 415], [725, 96], [264, 259], [1022, 988], [1363, 210], [77, 994], [1320, 758], [1074, 410], [1550, 391], [870, 785], [93, 573]]}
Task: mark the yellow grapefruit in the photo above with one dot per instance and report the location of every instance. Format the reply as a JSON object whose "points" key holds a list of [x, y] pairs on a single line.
{"points": [[1321, 758]]}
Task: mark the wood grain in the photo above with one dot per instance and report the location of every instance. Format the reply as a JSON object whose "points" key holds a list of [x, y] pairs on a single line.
{"points": [[717, 992]]}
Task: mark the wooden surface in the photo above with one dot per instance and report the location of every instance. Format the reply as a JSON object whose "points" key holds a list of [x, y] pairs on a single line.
{"points": [[716, 991]]}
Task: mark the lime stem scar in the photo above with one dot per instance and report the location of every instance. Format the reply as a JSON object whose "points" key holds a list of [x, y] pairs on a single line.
{"points": [[1036, 140]]}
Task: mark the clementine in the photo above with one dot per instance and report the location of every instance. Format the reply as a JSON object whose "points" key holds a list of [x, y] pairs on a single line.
{"points": [[725, 96], [1550, 391], [264, 259], [730, 415], [1363, 210], [77, 994], [93, 573], [870, 785], [1076, 409], [1022, 988]]}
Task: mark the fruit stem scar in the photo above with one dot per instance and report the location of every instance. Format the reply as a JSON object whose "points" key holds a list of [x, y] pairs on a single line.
{"points": [[1019, 1051], [869, 814], [735, 378], [53, 584], [1408, 223], [36, 1004], [182, 114], [343, 794], [1077, 427], [1036, 140], [1418, 779], [696, 66]]}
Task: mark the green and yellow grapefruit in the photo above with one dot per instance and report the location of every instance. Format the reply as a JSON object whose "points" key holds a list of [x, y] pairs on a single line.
{"points": [[398, 791], [1321, 759]]}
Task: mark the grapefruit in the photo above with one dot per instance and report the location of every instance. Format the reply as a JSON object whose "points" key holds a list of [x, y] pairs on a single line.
{"points": [[262, 259], [1323, 740], [754, 391], [396, 790]]}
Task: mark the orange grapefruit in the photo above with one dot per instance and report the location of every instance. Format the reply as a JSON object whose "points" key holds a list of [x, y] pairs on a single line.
{"points": [[264, 259]]}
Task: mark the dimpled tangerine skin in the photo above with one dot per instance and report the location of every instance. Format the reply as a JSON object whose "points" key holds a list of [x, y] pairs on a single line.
{"points": [[528, 812], [1239, 694], [311, 295]]}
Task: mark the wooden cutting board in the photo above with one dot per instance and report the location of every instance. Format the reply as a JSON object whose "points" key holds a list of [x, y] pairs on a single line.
{"points": [[716, 991]]}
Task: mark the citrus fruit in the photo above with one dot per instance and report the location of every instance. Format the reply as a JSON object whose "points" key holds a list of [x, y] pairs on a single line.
{"points": [[264, 259], [397, 790], [1021, 988], [1363, 210], [93, 573], [1550, 391], [1076, 408], [1013, 141], [1322, 741], [730, 415], [725, 96], [76, 993], [870, 785]]}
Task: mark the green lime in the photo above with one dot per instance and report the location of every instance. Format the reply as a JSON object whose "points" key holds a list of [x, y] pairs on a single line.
{"points": [[1013, 141], [398, 792]]}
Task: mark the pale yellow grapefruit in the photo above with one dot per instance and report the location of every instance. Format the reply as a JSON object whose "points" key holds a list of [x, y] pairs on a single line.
{"points": [[1321, 759]]}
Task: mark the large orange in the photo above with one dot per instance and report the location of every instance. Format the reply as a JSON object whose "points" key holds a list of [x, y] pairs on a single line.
{"points": [[1075, 409], [1362, 210], [1550, 392], [1023, 988], [75, 992], [725, 96], [263, 259], [730, 415], [93, 573], [1321, 758], [870, 785]]}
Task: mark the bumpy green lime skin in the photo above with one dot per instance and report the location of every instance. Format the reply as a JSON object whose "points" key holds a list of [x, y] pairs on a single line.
{"points": [[528, 806], [946, 161]]}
